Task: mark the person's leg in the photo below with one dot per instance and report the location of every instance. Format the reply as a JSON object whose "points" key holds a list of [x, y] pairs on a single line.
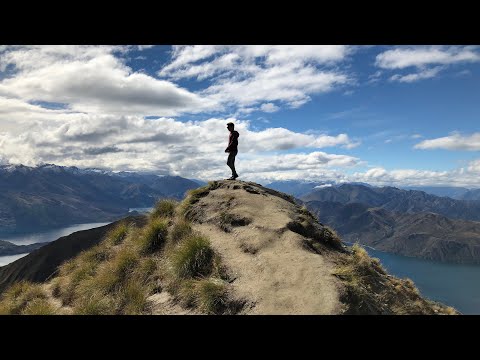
{"points": [[231, 163], [234, 172]]}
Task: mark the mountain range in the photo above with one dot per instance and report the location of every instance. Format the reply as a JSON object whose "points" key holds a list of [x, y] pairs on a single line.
{"points": [[398, 200], [232, 247], [426, 235], [46, 196], [299, 188]]}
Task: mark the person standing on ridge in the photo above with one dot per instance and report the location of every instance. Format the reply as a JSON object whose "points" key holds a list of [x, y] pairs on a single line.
{"points": [[232, 149]]}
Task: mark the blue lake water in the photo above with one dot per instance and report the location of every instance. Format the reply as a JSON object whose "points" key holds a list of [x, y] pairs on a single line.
{"points": [[42, 236], [141, 210], [452, 284]]}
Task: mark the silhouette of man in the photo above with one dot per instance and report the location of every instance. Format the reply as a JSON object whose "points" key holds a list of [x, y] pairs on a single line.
{"points": [[232, 149]]}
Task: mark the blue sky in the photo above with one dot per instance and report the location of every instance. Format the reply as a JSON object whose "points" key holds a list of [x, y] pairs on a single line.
{"points": [[393, 115]]}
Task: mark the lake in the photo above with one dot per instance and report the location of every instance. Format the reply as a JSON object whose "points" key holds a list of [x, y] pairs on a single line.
{"points": [[452, 284], [42, 236]]}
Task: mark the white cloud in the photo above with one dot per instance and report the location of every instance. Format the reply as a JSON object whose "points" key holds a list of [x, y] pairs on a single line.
{"points": [[245, 76], [323, 186], [455, 141], [413, 177], [474, 166], [428, 60], [421, 75], [92, 79], [269, 107], [30, 134], [144, 47], [403, 57]]}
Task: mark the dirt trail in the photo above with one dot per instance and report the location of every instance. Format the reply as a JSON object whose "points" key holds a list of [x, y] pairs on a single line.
{"points": [[272, 269]]}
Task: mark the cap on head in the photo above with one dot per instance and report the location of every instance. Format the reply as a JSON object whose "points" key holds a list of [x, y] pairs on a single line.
{"points": [[231, 124]]}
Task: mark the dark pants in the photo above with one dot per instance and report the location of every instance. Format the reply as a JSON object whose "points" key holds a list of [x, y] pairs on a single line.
{"points": [[231, 161]]}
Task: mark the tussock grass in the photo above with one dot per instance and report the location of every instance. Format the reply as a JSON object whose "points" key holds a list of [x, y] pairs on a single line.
{"points": [[39, 306], [193, 257], [212, 296], [118, 234], [153, 237], [370, 290], [16, 299], [164, 208], [119, 274], [180, 230], [95, 304], [133, 298], [194, 195]]}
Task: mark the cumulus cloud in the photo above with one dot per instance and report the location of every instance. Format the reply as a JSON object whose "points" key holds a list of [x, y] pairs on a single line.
{"points": [[191, 149], [468, 177], [245, 76], [421, 75], [455, 141], [403, 57], [92, 79], [269, 107], [428, 60]]}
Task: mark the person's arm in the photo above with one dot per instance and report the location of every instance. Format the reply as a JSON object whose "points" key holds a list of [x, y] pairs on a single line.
{"points": [[232, 139]]}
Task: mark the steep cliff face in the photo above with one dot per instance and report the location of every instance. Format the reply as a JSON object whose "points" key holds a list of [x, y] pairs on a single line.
{"points": [[231, 247]]}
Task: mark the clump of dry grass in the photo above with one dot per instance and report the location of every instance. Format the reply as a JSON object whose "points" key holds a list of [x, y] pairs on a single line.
{"points": [[370, 290], [153, 237], [180, 230], [164, 208], [193, 257], [39, 306], [20, 295], [118, 275], [194, 196], [118, 234]]}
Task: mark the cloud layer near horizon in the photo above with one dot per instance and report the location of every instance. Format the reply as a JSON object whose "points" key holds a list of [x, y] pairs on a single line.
{"points": [[85, 106]]}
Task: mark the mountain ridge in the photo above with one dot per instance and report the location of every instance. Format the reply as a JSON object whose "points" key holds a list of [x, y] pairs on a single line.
{"points": [[426, 235], [47, 196], [231, 247]]}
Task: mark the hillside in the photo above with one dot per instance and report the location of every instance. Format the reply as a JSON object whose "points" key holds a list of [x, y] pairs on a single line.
{"points": [[43, 197], [397, 200], [231, 247], [471, 195], [42, 263], [8, 248], [425, 235]]}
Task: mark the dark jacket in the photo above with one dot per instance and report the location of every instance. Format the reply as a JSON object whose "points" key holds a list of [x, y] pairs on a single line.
{"points": [[232, 141]]}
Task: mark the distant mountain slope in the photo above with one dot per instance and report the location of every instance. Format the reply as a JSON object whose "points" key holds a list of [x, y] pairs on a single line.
{"points": [[296, 188], [34, 198], [42, 263], [471, 195], [8, 248], [398, 200], [231, 247], [426, 235], [449, 191]]}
